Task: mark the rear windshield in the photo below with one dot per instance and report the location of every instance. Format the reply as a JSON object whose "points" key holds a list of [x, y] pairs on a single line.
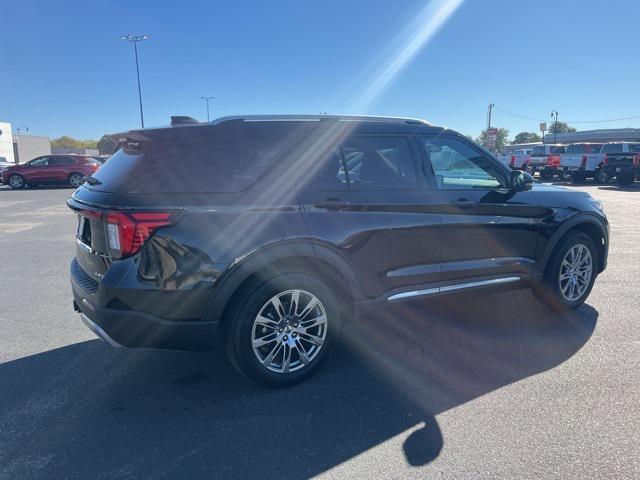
{"points": [[612, 148], [185, 165]]}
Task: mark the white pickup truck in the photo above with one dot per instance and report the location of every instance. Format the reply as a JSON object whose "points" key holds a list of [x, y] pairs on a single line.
{"points": [[581, 161], [517, 159], [545, 159]]}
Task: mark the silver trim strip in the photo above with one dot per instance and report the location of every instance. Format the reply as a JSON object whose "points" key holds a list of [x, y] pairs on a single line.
{"points": [[95, 328], [451, 288], [316, 118]]}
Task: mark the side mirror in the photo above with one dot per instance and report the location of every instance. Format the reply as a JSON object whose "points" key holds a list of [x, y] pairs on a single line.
{"points": [[521, 181]]}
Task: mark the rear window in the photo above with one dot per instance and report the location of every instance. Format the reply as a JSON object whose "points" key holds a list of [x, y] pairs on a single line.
{"points": [[186, 165], [634, 148], [612, 148], [538, 151], [578, 148]]}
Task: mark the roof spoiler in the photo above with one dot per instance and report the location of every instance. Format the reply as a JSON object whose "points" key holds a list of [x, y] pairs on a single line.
{"points": [[182, 120]]}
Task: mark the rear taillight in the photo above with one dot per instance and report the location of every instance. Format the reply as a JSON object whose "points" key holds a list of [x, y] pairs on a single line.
{"points": [[636, 161], [583, 163], [127, 232], [606, 160], [513, 160]]}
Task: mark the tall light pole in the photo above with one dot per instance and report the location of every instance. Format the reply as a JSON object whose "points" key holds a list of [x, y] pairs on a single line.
{"points": [[131, 38], [555, 125], [206, 99]]}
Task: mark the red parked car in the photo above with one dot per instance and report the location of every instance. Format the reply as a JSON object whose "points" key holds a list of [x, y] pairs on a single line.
{"points": [[50, 169]]}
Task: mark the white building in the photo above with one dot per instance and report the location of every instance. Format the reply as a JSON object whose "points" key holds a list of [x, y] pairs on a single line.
{"points": [[6, 143]]}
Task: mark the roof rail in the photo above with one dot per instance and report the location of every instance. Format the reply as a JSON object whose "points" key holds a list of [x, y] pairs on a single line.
{"points": [[317, 118]]}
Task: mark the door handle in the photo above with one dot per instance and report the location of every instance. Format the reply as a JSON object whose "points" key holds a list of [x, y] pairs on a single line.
{"points": [[463, 203], [332, 204]]}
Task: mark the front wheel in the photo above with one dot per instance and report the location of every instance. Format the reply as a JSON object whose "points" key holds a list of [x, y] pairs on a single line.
{"points": [[578, 177], [16, 181], [570, 273], [279, 332], [602, 177]]}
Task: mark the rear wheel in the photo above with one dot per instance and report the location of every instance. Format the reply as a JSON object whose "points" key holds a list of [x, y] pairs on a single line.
{"points": [[570, 273], [578, 177], [280, 330], [625, 179], [545, 175], [75, 179], [16, 181]]}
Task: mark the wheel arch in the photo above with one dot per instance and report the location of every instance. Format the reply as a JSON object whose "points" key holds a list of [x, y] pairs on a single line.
{"points": [[276, 260], [582, 223]]}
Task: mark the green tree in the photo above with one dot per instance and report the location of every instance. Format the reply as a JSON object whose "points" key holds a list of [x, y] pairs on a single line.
{"points": [[501, 139], [561, 127], [69, 142], [527, 137], [107, 145]]}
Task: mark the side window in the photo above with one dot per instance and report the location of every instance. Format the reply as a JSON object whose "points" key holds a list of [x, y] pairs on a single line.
{"points": [[39, 162], [55, 161], [332, 176], [378, 163], [457, 165]]}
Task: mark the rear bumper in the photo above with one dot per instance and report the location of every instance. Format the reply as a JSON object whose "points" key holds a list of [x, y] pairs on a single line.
{"points": [[614, 170], [130, 328]]}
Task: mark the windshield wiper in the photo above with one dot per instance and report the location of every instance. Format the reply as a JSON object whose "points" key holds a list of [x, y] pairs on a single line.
{"points": [[92, 180]]}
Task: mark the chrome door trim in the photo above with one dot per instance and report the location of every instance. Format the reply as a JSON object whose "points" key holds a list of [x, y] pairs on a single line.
{"points": [[451, 288]]}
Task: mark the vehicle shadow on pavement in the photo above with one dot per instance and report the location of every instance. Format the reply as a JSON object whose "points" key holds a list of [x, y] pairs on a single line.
{"points": [[89, 411]]}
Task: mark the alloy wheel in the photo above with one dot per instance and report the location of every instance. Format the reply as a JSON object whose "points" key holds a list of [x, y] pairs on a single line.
{"points": [[16, 181], [575, 272], [289, 331], [75, 180]]}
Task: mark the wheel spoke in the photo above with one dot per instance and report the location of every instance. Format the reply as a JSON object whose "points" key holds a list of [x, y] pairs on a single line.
{"points": [[310, 306], [269, 358], [302, 353], [313, 322], [260, 342], [286, 358], [318, 341], [275, 301], [266, 322], [295, 300]]}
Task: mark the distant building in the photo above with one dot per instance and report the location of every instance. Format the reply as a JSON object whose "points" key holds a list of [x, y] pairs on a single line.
{"points": [[28, 147], [77, 151], [596, 136], [6, 143]]}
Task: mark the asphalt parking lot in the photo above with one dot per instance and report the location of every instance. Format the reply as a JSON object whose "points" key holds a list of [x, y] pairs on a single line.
{"points": [[460, 388]]}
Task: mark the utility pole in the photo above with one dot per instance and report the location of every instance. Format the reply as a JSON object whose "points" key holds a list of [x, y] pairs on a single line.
{"points": [[206, 99], [491, 105], [131, 38], [555, 124]]}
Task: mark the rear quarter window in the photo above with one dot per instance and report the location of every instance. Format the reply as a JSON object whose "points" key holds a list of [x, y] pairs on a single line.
{"points": [[186, 165]]}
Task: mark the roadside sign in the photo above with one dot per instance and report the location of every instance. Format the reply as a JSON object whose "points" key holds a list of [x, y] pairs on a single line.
{"points": [[492, 138], [543, 126]]}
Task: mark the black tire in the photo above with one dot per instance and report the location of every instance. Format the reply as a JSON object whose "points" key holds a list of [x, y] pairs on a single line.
{"points": [[548, 292], [545, 175], [625, 179], [578, 177], [75, 177], [602, 177], [239, 324], [16, 181]]}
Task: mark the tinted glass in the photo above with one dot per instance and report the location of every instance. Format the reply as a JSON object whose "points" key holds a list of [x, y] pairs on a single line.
{"points": [[556, 149], [378, 163], [539, 150], [612, 148], [39, 162], [185, 165], [457, 165], [634, 147], [577, 148], [332, 176]]}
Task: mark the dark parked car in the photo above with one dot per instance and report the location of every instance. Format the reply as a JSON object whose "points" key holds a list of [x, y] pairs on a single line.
{"points": [[271, 230], [50, 169]]}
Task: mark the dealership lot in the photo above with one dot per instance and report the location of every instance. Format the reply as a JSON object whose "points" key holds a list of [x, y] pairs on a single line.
{"points": [[461, 388]]}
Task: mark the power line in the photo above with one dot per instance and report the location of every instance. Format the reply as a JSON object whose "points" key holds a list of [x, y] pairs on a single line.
{"points": [[568, 121]]}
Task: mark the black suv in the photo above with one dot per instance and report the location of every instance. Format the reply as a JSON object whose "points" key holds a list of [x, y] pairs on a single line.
{"points": [[269, 230]]}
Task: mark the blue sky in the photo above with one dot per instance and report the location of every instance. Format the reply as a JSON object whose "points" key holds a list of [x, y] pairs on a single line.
{"points": [[67, 72]]}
